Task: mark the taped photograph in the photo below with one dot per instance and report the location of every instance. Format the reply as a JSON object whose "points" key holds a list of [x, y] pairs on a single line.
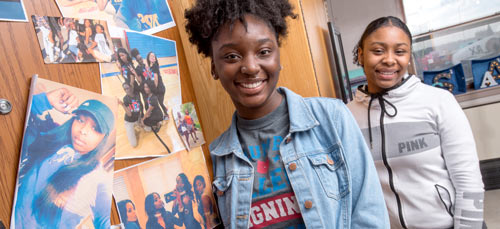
{"points": [[174, 190]]}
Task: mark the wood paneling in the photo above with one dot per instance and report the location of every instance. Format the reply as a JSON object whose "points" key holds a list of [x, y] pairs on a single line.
{"points": [[215, 106], [316, 19], [20, 58]]}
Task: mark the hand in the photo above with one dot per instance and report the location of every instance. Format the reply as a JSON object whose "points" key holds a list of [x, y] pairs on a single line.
{"points": [[62, 100], [119, 101]]}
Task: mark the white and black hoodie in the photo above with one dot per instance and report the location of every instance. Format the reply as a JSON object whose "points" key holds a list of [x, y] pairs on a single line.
{"points": [[425, 155]]}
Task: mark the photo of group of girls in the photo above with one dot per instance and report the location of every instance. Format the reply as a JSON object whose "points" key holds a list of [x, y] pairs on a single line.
{"points": [[146, 16], [145, 81], [148, 196], [71, 40], [188, 125], [67, 157]]}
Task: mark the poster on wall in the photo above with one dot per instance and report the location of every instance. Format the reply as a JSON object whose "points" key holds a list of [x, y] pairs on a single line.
{"points": [[176, 188], [146, 16], [71, 40], [188, 125], [145, 80], [12, 10], [67, 159]]}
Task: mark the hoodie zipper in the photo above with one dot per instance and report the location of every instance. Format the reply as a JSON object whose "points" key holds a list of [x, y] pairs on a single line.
{"points": [[389, 170], [383, 111]]}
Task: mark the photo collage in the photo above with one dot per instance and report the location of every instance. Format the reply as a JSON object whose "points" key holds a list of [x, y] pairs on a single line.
{"points": [[139, 114]]}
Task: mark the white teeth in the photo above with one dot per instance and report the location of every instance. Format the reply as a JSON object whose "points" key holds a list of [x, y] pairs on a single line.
{"points": [[387, 73], [251, 85]]}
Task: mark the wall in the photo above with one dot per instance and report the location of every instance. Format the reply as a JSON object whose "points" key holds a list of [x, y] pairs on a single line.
{"points": [[484, 124], [20, 58]]}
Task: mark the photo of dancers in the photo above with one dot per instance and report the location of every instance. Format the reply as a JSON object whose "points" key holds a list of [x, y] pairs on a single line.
{"points": [[167, 192], [70, 40], [146, 83], [188, 125], [66, 164]]}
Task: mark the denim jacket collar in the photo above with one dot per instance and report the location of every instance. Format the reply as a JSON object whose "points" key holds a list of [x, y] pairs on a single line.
{"points": [[301, 119]]}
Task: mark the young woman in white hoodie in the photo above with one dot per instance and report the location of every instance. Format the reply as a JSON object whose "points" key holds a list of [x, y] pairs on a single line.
{"points": [[419, 136]]}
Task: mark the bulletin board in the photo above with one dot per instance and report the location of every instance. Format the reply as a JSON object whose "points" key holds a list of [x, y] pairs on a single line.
{"points": [[20, 58]]}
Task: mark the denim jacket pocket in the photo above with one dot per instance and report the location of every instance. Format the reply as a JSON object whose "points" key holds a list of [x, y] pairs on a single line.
{"points": [[332, 173], [221, 187]]}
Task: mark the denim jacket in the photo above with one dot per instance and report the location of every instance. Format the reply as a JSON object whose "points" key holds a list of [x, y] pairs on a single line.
{"points": [[329, 166]]}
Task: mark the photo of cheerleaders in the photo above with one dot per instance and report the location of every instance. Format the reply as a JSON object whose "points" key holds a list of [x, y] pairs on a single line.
{"points": [[127, 70], [153, 116], [158, 217], [133, 113], [183, 204], [134, 68], [155, 76], [64, 177], [206, 206], [128, 215]]}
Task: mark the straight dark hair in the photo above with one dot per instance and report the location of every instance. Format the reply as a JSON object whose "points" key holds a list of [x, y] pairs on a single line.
{"points": [[374, 25]]}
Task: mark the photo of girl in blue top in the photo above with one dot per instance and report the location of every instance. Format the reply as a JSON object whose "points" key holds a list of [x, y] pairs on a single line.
{"points": [[62, 181], [285, 161]]}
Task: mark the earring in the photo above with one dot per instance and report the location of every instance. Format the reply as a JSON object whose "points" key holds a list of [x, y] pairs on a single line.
{"points": [[281, 67], [214, 76]]}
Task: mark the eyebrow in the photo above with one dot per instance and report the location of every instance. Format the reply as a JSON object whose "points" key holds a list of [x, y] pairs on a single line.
{"points": [[260, 41], [383, 44]]}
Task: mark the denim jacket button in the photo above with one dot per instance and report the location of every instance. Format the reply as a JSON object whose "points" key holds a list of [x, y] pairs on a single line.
{"points": [[308, 204], [330, 161], [292, 166], [220, 193], [288, 140]]}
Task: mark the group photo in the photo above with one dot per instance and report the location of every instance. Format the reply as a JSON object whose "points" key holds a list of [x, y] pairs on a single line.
{"points": [[146, 84], [72, 40], [168, 192]]}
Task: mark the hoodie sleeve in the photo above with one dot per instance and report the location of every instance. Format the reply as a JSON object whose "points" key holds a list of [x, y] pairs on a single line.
{"points": [[459, 152], [368, 205]]}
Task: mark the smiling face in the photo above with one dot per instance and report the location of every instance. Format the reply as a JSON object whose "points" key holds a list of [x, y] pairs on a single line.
{"points": [[131, 216], [147, 90], [385, 57], [247, 62], [128, 90], [152, 58], [84, 134], [123, 57]]}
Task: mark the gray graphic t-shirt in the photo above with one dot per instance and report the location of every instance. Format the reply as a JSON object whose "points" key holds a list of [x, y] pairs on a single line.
{"points": [[273, 201]]}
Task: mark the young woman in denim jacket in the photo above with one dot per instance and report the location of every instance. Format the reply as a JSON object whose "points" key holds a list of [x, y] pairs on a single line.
{"points": [[285, 161]]}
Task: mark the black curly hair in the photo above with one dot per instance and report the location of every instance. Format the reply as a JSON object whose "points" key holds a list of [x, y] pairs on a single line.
{"points": [[374, 25], [206, 17]]}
